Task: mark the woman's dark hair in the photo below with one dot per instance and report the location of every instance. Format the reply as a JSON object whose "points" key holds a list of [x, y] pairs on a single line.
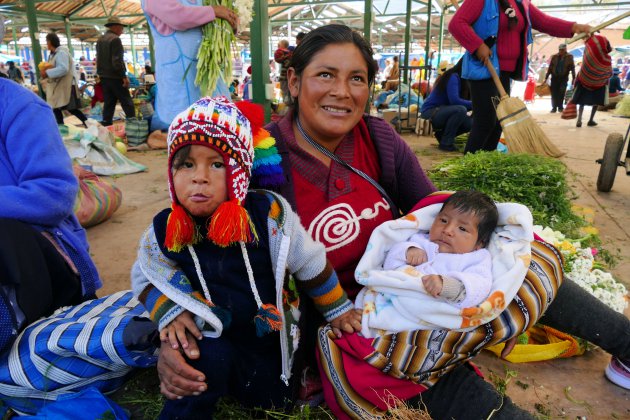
{"points": [[53, 39], [512, 20], [11, 64], [442, 81], [481, 206], [395, 58], [317, 39]]}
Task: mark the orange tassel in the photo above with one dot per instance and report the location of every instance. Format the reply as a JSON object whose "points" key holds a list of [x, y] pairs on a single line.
{"points": [[180, 229], [267, 319], [230, 224]]}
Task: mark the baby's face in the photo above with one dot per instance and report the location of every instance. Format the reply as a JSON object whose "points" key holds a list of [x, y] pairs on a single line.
{"points": [[455, 232]]}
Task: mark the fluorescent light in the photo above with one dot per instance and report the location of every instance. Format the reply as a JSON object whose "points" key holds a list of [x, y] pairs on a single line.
{"points": [[401, 23], [338, 9], [328, 13], [384, 30], [24, 29]]}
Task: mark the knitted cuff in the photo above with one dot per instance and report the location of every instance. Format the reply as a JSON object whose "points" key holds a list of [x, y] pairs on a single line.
{"points": [[343, 305], [452, 289]]}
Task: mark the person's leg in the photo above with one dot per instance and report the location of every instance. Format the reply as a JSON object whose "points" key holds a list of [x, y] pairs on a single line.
{"points": [[58, 115], [591, 121], [554, 94], [217, 362], [575, 311], [484, 115], [493, 138], [109, 101], [462, 394], [123, 95], [579, 118], [80, 115], [449, 118], [561, 92]]}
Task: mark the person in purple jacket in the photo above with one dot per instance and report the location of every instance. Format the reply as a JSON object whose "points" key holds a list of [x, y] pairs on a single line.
{"points": [[446, 109], [44, 255]]}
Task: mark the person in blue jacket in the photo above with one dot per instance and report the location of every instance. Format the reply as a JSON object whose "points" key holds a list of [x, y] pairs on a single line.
{"points": [[446, 108], [44, 256]]}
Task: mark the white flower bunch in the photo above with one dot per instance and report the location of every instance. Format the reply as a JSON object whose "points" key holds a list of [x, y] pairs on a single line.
{"points": [[244, 9], [579, 268]]}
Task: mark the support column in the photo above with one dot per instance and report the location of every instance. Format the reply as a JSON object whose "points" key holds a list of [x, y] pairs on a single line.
{"points": [[33, 31], [367, 20], [439, 60], [151, 48], [133, 51], [427, 48], [260, 55], [66, 22], [407, 40], [15, 43]]}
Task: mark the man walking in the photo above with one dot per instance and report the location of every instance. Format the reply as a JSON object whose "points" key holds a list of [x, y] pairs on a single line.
{"points": [[110, 67], [560, 66]]}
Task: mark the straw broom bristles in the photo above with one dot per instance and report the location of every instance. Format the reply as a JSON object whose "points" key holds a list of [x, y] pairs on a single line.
{"points": [[521, 132]]}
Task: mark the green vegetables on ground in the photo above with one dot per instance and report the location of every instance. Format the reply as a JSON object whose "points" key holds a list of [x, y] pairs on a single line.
{"points": [[535, 181]]}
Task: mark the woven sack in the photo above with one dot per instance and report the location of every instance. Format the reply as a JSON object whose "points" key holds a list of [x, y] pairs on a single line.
{"points": [[97, 199], [569, 112], [137, 130], [543, 89]]}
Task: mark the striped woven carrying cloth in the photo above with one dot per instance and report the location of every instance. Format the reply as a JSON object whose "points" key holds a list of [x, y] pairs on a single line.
{"points": [[596, 65], [94, 344], [362, 375]]}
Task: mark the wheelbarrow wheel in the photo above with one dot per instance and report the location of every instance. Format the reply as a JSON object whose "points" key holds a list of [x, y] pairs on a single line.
{"points": [[610, 162]]}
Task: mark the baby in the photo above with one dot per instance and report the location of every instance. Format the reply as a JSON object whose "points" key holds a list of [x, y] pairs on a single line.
{"points": [[453, 256]]}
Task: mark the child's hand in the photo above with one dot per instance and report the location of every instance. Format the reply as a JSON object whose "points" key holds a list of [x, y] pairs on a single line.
{"points": [[348, 322], [416, 256], [175, 332], [433, 284]]}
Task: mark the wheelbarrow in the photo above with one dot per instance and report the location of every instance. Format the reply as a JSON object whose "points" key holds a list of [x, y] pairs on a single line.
{"points": [[612, 158]]}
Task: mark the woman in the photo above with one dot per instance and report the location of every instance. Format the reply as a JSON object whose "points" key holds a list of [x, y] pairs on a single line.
{"points": [[44, 256], [591, 82], [60, 84], [498, 32], [15, 73], [446, 109], [392, 78], [329, 80]]}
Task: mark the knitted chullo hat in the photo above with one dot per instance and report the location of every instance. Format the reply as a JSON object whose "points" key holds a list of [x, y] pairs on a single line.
{"points": [[227, 128]]}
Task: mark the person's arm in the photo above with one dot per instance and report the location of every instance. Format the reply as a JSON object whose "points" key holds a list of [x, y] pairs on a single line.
{"points": [[170, 15], [62, 65], [460, 26], [548, 73], [452, 92], [550, 25], [45, 186], [118, 57]]}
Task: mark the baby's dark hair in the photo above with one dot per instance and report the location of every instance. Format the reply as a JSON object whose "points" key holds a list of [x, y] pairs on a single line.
{"points": [[481, 206]]}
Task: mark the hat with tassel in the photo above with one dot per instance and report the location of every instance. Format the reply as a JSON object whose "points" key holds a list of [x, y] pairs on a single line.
{"points": [[227, 128]]}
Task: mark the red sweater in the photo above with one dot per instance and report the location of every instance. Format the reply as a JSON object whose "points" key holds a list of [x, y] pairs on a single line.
{"points": [[508, 41]]}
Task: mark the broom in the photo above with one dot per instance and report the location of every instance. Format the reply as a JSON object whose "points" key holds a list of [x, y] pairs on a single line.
{"points": [[521, 132]]}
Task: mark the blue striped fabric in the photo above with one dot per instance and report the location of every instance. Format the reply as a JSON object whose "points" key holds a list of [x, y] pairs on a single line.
{"points": [[75, 348]]}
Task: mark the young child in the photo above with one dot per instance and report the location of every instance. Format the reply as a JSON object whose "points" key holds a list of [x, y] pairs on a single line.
{"points": [[216, 265], [453, 255], [440, 280]]}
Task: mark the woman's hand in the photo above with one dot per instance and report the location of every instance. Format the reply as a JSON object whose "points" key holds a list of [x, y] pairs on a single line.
{"points": [[228, 14], [175, 333], [581, 28], [348, 322], [177, 378], [483, 53]]}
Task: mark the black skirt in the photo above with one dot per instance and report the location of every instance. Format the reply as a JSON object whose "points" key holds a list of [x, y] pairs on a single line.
{"points": [[584, 96]]}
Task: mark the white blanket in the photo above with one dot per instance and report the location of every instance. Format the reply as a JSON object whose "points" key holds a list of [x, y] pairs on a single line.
{"points": [[395, 301]]}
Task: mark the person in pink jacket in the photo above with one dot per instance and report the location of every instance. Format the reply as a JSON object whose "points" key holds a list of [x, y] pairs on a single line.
{"points": [[498, 31]]}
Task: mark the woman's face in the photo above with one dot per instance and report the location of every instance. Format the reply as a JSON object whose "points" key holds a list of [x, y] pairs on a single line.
{"points": [[331, 92]]}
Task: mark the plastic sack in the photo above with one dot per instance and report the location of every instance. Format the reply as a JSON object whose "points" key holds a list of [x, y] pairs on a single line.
{"points": [[569, 112], [543, 343], [97, 199]]}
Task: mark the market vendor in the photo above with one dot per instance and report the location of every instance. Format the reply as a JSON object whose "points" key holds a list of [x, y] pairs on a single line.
{"points": [[176, 26]]}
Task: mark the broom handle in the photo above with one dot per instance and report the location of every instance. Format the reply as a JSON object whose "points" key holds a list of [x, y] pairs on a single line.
{"points": [[598, 27], [497, 81]]}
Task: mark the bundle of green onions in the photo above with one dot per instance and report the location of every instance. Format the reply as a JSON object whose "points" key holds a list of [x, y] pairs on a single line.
{"points": [[215, 52]]}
